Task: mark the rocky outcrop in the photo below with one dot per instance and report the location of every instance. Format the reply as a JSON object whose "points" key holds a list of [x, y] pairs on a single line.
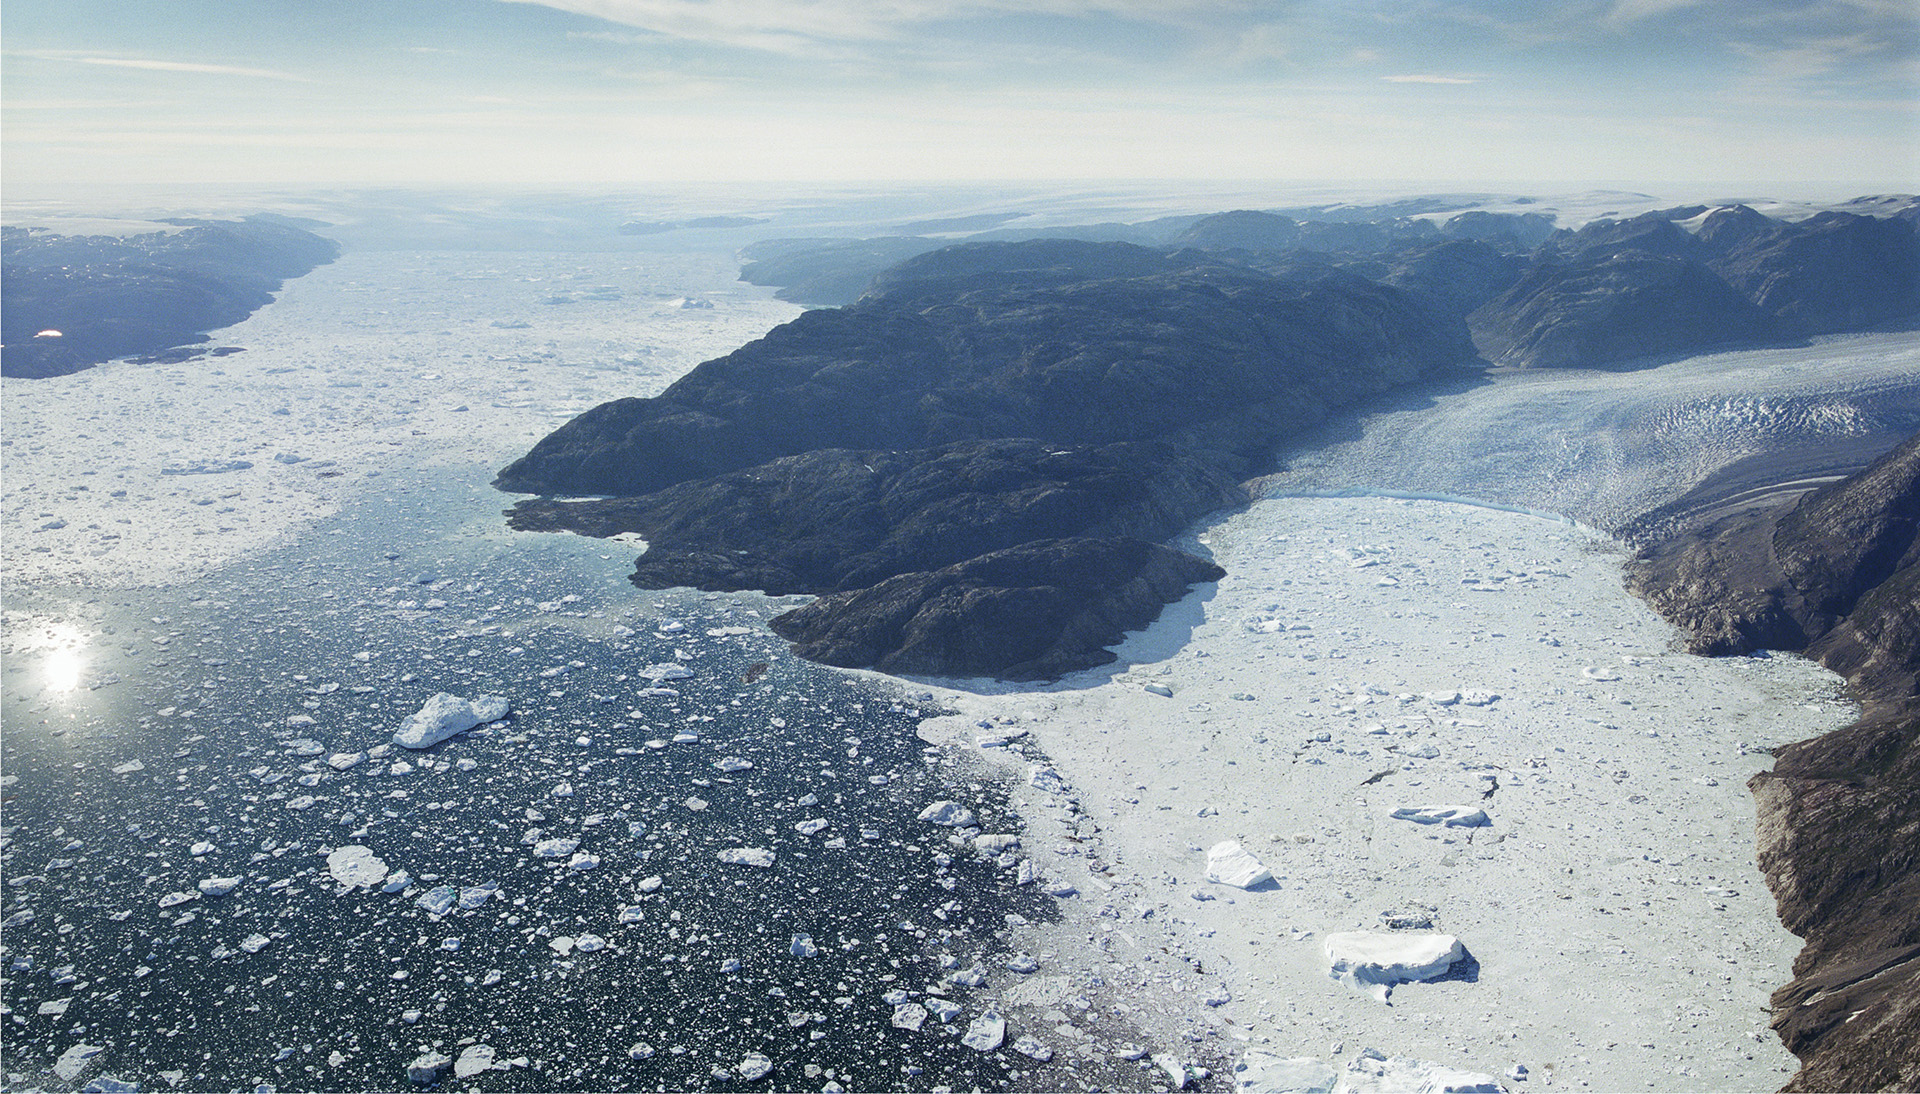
{"points": [[979, 400], [1057, 349], [1030, 612], [71, 302], [836, 519], [1647, 287], [1836, 573]]}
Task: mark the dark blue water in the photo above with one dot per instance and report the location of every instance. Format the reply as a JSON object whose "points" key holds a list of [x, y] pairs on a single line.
{"points": [[206, 715]]}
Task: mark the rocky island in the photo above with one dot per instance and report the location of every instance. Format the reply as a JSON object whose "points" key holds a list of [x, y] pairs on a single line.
{"points": [[72, 302], [986, 419]]}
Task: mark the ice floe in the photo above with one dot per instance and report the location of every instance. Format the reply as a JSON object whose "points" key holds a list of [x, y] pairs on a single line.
{"points": [[1230, 864], [1375, 961]]}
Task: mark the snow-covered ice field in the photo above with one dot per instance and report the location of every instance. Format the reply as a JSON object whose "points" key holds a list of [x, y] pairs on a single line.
{"points": [[1365, 656], [197, 555]]}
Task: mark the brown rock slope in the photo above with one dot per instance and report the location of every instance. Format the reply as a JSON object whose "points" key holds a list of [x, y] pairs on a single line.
{"points": [[1836, 574]]}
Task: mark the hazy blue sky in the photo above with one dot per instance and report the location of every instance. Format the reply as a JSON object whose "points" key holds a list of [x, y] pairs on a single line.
{"points": [[623, 91]]}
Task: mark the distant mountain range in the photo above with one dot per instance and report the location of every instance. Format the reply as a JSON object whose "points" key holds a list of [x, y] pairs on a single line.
{"points": [[1669, 283]]}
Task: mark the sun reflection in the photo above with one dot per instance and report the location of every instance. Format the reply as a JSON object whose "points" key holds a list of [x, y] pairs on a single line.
{"points": [[63, 657]]}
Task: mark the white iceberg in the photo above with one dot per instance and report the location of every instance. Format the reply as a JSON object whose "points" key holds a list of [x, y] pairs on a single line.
{"points": [[1452, 816], [1229, 864], [445, 715], [356, 866], [1374, 962]]}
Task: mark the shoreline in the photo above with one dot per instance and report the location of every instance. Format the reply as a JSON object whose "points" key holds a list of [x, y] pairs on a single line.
{"points": [[1624, 936]]}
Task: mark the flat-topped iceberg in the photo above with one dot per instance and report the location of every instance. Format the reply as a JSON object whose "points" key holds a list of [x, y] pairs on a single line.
{"points": [[1374, 961], [445, 715], [1230, 864]]}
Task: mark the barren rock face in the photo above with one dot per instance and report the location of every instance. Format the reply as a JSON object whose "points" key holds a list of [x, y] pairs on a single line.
{"points": [[1838, 831]]}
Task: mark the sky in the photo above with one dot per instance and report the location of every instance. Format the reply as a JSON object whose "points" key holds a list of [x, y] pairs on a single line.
{"points": [[588, 93]]}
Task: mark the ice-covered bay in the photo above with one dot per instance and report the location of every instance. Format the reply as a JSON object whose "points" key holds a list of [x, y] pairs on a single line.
{"points": [[1368, 663]]}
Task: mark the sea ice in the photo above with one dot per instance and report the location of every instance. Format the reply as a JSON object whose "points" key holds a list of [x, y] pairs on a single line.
{"points": [[439, 900], [425, 1068], [733, 763], [909, 1016], [746, 856], [1229, 864], [755, 1066], [555, 848], [75, 1060], [1456, 816], [1374, 962], [950, 814], [445, 715], [1373, 1072], [803, 946], [985, 1033], [473, 1061], [1264, 1073], [218, 886], [357, 866], [811, 827], [1033, 1047]]}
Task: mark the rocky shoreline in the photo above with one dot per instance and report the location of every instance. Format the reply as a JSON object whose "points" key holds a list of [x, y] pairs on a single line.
{"points": [[1835, 574]]}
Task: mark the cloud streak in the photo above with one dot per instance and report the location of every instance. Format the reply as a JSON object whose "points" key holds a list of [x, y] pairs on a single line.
{"points": [[192, 67], [1422, 79]]}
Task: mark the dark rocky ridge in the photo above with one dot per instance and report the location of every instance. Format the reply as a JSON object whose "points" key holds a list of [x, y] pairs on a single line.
{"points": [[1033, 611], [978, 401], [1836, 574], [115, 297]]}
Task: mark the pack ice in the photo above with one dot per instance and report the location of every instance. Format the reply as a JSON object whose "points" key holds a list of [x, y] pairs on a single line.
{"points": [[445, 715]]}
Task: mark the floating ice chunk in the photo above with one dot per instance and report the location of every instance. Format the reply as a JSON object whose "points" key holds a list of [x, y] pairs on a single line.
{"points": [[445, 715], [971, 978], [396, 881], [650, 884], [54, 1008], [425, 1068], [1264, 1073], [439, 900], [1023, 963], [658, 673], [803, 946], [1442, 698], [583, 861], [1374, 962], [357, 866], [985, 1033], [172, 899], [755, 1066], [75, 1060], [811, 827], [994, 844], [640, 1051], [474, 896], [1033, 1047], [909, 1016], [1478, 698], [686, 737], [1179, 1075], [561, 944], [1161, 690], [340, 761], [129, 767], [731, 964], [733, 763], [218, 886], [1046, 778], [556, 848], [201, 848], [474, 1060], [746, 856], [589, 943], [945, 1009], [951, 814], [18, 919], [1373, 1072], [1452, 816], [1229, 864], [1600, 674], [255, 942], [562, 789], [107, 1084]]}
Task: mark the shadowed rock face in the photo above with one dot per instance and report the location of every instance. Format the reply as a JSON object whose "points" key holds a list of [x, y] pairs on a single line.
{"points": [[1034, 611], [114, 297], [1837, 574], [978, 400]]}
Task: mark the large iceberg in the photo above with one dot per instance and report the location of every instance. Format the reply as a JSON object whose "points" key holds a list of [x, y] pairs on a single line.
{"points": [[1374, 962], [445, 715]]}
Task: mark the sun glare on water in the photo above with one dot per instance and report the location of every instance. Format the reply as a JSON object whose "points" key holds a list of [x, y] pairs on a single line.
{"points": [[63, 657]]}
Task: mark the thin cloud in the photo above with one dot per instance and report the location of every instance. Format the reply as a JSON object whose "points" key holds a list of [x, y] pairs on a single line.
{"points": [[191, 66], [1423, 79]]}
